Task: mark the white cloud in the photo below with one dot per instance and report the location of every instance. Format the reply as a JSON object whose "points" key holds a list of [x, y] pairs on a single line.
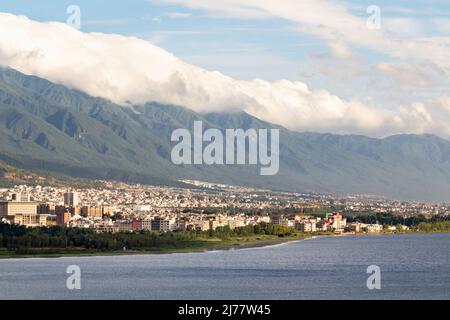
{"points": [[177, 15], [442, 25], [333, 22], [125, 69], [156, 19], [340, 50], [242, 62], [222, 9], [409, 77], [403, 27], [402, 41]]}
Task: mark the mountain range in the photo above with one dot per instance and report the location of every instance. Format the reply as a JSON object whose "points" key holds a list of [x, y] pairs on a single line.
{"points": [[51, 128]]}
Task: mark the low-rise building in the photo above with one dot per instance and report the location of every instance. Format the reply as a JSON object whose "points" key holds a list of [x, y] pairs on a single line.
{"points": [[373, 228], [11, 208], [123, 226], [136, 225], [18, 211], [29, 220], [306, 226], [161, 224], [147, 224], [63, 217], [280, 220], [92, 212]]}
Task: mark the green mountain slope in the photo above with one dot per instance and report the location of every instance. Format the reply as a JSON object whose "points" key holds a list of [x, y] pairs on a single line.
{"points": [[48, 127]]}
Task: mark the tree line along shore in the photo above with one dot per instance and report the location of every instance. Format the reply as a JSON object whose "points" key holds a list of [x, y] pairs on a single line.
{"points": [[20, 241]]}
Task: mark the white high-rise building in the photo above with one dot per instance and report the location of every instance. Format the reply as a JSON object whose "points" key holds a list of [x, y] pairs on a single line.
{"points": [[71, 199]]}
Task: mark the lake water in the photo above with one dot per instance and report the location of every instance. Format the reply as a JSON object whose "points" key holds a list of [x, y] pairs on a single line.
{"points": [[413, 266]]}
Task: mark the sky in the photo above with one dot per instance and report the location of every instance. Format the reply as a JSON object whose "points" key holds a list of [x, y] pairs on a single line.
{"points": [[310, 65]]}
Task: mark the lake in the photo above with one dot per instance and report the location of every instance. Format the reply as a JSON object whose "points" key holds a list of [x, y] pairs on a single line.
{"points": [[413, 266]]}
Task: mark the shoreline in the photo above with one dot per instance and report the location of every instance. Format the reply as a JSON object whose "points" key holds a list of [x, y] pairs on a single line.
{"points": [[226, 245]]}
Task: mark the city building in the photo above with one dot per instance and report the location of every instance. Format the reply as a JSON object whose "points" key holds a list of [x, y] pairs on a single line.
{"points": [[11, 208], [373, 228], [280, 220], [92, 212], [28, 220], [20, 197], [146, 224], [51, 221], [337, 222], [45, 208], [162, 224], [71, 199], [21, 212], [136, 225], [356, 227], [123, 226], [306, 226], [63, 217]]}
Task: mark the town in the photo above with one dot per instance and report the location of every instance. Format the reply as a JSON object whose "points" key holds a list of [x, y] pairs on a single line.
{"points": [[119, 207]]}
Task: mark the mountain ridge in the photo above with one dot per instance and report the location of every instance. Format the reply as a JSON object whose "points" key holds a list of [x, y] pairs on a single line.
{"points": [[46, 126]]}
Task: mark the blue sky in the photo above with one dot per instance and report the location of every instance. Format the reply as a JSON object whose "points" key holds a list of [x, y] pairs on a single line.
{"points": [[242, 48], [402, 68]]}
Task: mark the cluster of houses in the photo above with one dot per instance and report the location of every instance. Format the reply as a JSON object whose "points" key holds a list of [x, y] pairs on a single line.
{"points": [[179, 221], [333, 222], [19, 209]]}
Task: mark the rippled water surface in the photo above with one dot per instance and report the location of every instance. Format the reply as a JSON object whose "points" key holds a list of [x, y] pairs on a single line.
{"points": [[413, 266]]}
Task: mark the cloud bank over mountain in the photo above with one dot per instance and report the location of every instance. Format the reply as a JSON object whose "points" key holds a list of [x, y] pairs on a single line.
{"points": [[129, 70]]}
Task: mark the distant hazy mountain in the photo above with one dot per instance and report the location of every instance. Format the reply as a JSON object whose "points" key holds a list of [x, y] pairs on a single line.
{"points": [[53, 128]]}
